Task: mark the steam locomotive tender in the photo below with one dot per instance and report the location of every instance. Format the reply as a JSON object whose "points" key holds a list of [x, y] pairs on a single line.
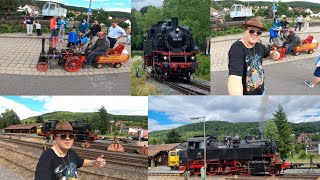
{"points": [[170, 50], [232, 156], [83, 130]]}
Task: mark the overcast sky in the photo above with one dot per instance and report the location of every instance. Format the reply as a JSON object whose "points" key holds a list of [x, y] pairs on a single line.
{"points": [[167, 112], [26, 106], [138, 4]]}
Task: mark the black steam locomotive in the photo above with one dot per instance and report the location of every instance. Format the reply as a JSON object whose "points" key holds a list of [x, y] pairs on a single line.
{"points": [[232, 156], [83, 130], [170, 50]]}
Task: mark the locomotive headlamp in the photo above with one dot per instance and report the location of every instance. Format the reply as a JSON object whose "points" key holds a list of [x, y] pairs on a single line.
{"points": [[193, 58], [177, 29], [165, 57]]}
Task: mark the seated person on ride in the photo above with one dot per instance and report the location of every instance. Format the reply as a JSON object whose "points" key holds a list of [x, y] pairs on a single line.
{"points": [[291, 41], [101, 46], [72, 37], [81, 41]]}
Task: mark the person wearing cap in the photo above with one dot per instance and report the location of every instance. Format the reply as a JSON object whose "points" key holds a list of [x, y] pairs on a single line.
{"points": [[101, 46], [284, 25], [246, 74], [60, 161], [115, 32]]}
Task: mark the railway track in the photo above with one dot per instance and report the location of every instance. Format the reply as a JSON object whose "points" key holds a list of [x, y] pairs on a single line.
{"points": [[125, 159], [36, 158], [183, 89], [201, 86]]}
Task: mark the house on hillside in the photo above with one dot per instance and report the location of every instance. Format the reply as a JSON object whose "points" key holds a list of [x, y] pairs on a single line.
{"points": [[308, 11], [31, 9], [303, 138]]}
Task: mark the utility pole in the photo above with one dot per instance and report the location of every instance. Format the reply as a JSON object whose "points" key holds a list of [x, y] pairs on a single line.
{"points": [[89, 12], [274, 13]]}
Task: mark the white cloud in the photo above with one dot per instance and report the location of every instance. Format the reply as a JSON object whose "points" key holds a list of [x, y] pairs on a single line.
{"points": [[126, 105], [37, 98], [21, 110], [138, 4], [180, 109], [153, 125], [128, 10]]}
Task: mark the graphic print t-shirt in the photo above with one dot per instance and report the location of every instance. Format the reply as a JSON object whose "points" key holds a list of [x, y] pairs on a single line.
{"points": [[52, 167], [247, 63]]}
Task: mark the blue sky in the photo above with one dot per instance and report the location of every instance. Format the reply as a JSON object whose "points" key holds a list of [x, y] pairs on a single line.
{"points": [[109, 5], [26, 106], [167, 112]]}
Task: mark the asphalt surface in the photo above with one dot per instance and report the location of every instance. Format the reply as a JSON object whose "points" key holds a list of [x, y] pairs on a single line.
{"points": [[281, 79], [110, 84]]}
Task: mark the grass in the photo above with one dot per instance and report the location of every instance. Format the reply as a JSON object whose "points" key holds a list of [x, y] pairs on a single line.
{"points": [[203, 70], [302, 157], [139, 86], [137, 53]]}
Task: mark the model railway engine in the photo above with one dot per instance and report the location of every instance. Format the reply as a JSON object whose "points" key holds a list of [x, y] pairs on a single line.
{"points": [[232, 156], [170, 50]]}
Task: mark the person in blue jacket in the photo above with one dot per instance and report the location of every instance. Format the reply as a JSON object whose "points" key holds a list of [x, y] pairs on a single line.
{"points": [[72, 37], [83, 26], [274, 36], [62, 26]]}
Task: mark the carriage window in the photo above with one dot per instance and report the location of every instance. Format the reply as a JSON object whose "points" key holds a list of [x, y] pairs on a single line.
{"points": [[52, 6], [232, 8], [238, 8], [46, 6]]}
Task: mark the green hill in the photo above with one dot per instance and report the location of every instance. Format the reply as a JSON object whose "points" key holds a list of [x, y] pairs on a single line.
{"points": [[85, 116], [221, 129]]}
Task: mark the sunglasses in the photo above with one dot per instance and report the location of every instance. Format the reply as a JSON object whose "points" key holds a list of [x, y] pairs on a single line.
{"points": [[64, 136], [251, 31]]}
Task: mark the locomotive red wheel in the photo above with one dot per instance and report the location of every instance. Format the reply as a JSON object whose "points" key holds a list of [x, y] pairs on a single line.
{"points": [[67, 53], [42, 66], [274, 172], [73, 64]]}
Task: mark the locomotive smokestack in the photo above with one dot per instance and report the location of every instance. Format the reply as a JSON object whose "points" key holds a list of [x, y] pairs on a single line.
{"points": [[43, 41], [174, 21]]}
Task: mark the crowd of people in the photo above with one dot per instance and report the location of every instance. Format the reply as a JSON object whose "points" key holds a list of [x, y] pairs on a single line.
{"points": [[90, 40]]}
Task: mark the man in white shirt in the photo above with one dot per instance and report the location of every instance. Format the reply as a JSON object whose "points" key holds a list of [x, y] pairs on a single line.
{"points": [[115, 32]]}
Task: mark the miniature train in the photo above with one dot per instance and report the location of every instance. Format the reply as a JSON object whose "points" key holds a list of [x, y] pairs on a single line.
{"points": [[230, 156], [73, 61], [83, 130], [170, 50]]}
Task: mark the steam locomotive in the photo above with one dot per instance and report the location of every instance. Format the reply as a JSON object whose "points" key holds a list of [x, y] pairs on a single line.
{"points": [[232, 156], [170, 50], [83, 130]]}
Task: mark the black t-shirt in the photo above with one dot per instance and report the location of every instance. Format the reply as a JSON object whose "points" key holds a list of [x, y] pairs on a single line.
{"points": [[52, 167], [247, 63], [30, 20], [284, 24]]}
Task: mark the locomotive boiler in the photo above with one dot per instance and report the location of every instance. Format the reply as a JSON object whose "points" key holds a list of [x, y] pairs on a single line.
{"points": [[170, 50]]}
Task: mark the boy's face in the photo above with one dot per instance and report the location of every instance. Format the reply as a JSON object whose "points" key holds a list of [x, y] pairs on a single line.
{"points": [[73, 29]]}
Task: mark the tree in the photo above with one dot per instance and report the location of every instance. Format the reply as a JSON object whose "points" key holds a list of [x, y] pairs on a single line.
{"points": [[285, 139], [8, 118], [94, 121], [8, 7], [173, 137], [39, 119], [104, 120], [271, 131]]}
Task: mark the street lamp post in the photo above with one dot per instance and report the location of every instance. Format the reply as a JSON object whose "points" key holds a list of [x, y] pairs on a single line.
{"points": [[204, 144], [89, 13]]}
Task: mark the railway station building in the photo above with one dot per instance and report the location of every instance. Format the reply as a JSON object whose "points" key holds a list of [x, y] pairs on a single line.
{"points": [[22, 128]]}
